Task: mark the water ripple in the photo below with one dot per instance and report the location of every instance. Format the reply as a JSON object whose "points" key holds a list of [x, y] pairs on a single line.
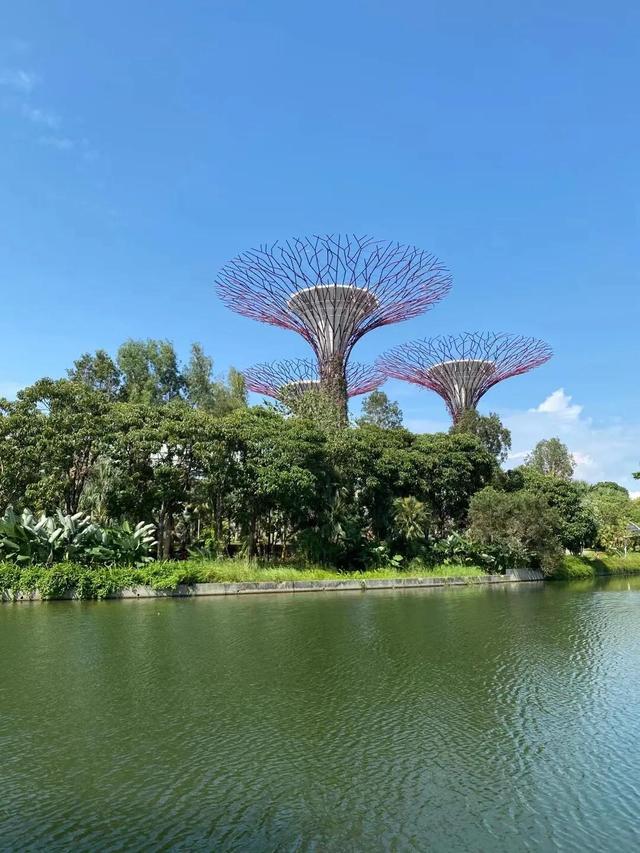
{"points": [[474, 720]]}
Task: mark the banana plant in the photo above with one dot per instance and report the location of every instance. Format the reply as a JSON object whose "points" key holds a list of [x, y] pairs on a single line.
{"points": [[27, 540]]}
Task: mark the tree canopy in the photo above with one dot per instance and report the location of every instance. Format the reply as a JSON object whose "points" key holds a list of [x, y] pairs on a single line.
{"points": [[550, 456], [144, 439], [378, 410], [489, 429]]}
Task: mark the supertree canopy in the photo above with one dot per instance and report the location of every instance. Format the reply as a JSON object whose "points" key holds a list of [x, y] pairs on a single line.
{"points": [[462, 368], [332, 290], [291, 378]]}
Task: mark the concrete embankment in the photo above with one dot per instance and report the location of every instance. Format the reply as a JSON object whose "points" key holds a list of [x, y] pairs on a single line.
{"points": [[245, 588]]}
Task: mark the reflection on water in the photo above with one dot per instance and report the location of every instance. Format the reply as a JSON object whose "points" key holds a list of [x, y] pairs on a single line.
{"points": [[469, 719]]}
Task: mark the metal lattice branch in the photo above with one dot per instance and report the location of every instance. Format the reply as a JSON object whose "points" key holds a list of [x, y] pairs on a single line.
{"points": [[332, 289], [462, 368], [290, 377]]}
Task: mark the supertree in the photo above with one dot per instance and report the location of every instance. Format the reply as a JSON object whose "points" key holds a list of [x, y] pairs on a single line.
{"points": [[462, 368], [289, 379], [332, 290]]}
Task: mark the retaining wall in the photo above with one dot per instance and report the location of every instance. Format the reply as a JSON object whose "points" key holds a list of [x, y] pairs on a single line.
{"points": [[245, 588]]}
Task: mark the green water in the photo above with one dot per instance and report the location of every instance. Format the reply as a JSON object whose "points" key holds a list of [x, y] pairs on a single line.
{"points": [[466, 720]]}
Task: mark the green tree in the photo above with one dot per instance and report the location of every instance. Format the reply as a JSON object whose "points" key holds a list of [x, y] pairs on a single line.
{"points": [[551, 457], [613, 511], [521, 524], [282, 479], [489, 429], [378, 410], [202, 391], [199, 384], [237, 388], [99, 372], [449, 470], [411, 518], [52, 437], [150, 371], [577, 525], [373, 466], [314, 405]]}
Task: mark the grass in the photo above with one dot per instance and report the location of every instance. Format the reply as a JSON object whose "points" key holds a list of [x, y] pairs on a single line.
{"points": [[229, 571], [592, 564], [100, 582]]}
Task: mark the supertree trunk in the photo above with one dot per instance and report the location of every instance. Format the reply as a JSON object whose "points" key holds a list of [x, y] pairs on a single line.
{"points": [[334, 385]]}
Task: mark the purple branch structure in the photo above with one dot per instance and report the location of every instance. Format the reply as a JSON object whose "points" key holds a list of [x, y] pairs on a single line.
{"points": [[332, 290], [462, 368], [288, 380]]}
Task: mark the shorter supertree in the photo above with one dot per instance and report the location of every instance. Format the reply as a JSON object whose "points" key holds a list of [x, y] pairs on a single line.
{"points": [[290, 379], [462, 368]]}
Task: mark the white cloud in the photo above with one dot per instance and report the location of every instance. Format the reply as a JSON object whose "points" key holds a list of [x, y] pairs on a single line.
{"points": [[18, 79], [582, 459], [38, 116], [608, 450], [602, 451], [559, 404], [21, 83], [635, 496]]}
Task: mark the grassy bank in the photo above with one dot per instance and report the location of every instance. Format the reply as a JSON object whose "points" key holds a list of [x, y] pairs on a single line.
{"points": [[54, 581], [594, 564], [100, 582]]}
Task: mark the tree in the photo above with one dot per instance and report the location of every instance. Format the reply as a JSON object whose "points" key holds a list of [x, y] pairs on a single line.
{"points": [[449, 470], [99, 372], [373, 467], [237, 388], [282, 478], [199, 385], [488, 428], [613, 510], [202, 391], [521, 524], [52, 437], [411, 518], [551, 457], [314, 405], [379, 411], [577, 526], [150, 371]]}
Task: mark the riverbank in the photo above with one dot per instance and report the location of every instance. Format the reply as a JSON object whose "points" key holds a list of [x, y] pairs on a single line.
{"points": [[595, 564], [225, 577], [251, 588], [67, 580]]}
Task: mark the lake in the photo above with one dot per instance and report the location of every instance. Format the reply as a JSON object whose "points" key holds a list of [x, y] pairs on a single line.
{"points": [[475, 719]]}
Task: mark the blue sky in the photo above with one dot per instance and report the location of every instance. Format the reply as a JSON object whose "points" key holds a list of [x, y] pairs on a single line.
{"points": [[143, 144]]}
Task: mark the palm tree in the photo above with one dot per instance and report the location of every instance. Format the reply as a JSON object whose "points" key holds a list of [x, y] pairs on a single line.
{"points": [[411, 518]]}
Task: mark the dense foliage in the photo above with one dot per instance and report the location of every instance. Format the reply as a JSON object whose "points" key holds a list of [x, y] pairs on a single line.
{"points": [[138, 452]]}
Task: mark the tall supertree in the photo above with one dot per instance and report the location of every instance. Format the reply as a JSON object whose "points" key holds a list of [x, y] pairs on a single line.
{"points": [[289, 379], [332, 290], [462, 368]]}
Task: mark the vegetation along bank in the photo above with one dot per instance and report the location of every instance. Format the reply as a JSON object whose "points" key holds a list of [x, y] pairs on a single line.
{"points": [[141, 470]]}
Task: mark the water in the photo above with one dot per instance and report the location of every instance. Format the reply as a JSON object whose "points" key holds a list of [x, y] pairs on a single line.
{"points": [[459, 720]]}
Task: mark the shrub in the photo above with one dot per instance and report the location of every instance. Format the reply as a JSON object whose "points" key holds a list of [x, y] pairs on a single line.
{"points": [[27, 540], [459, 550]]}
